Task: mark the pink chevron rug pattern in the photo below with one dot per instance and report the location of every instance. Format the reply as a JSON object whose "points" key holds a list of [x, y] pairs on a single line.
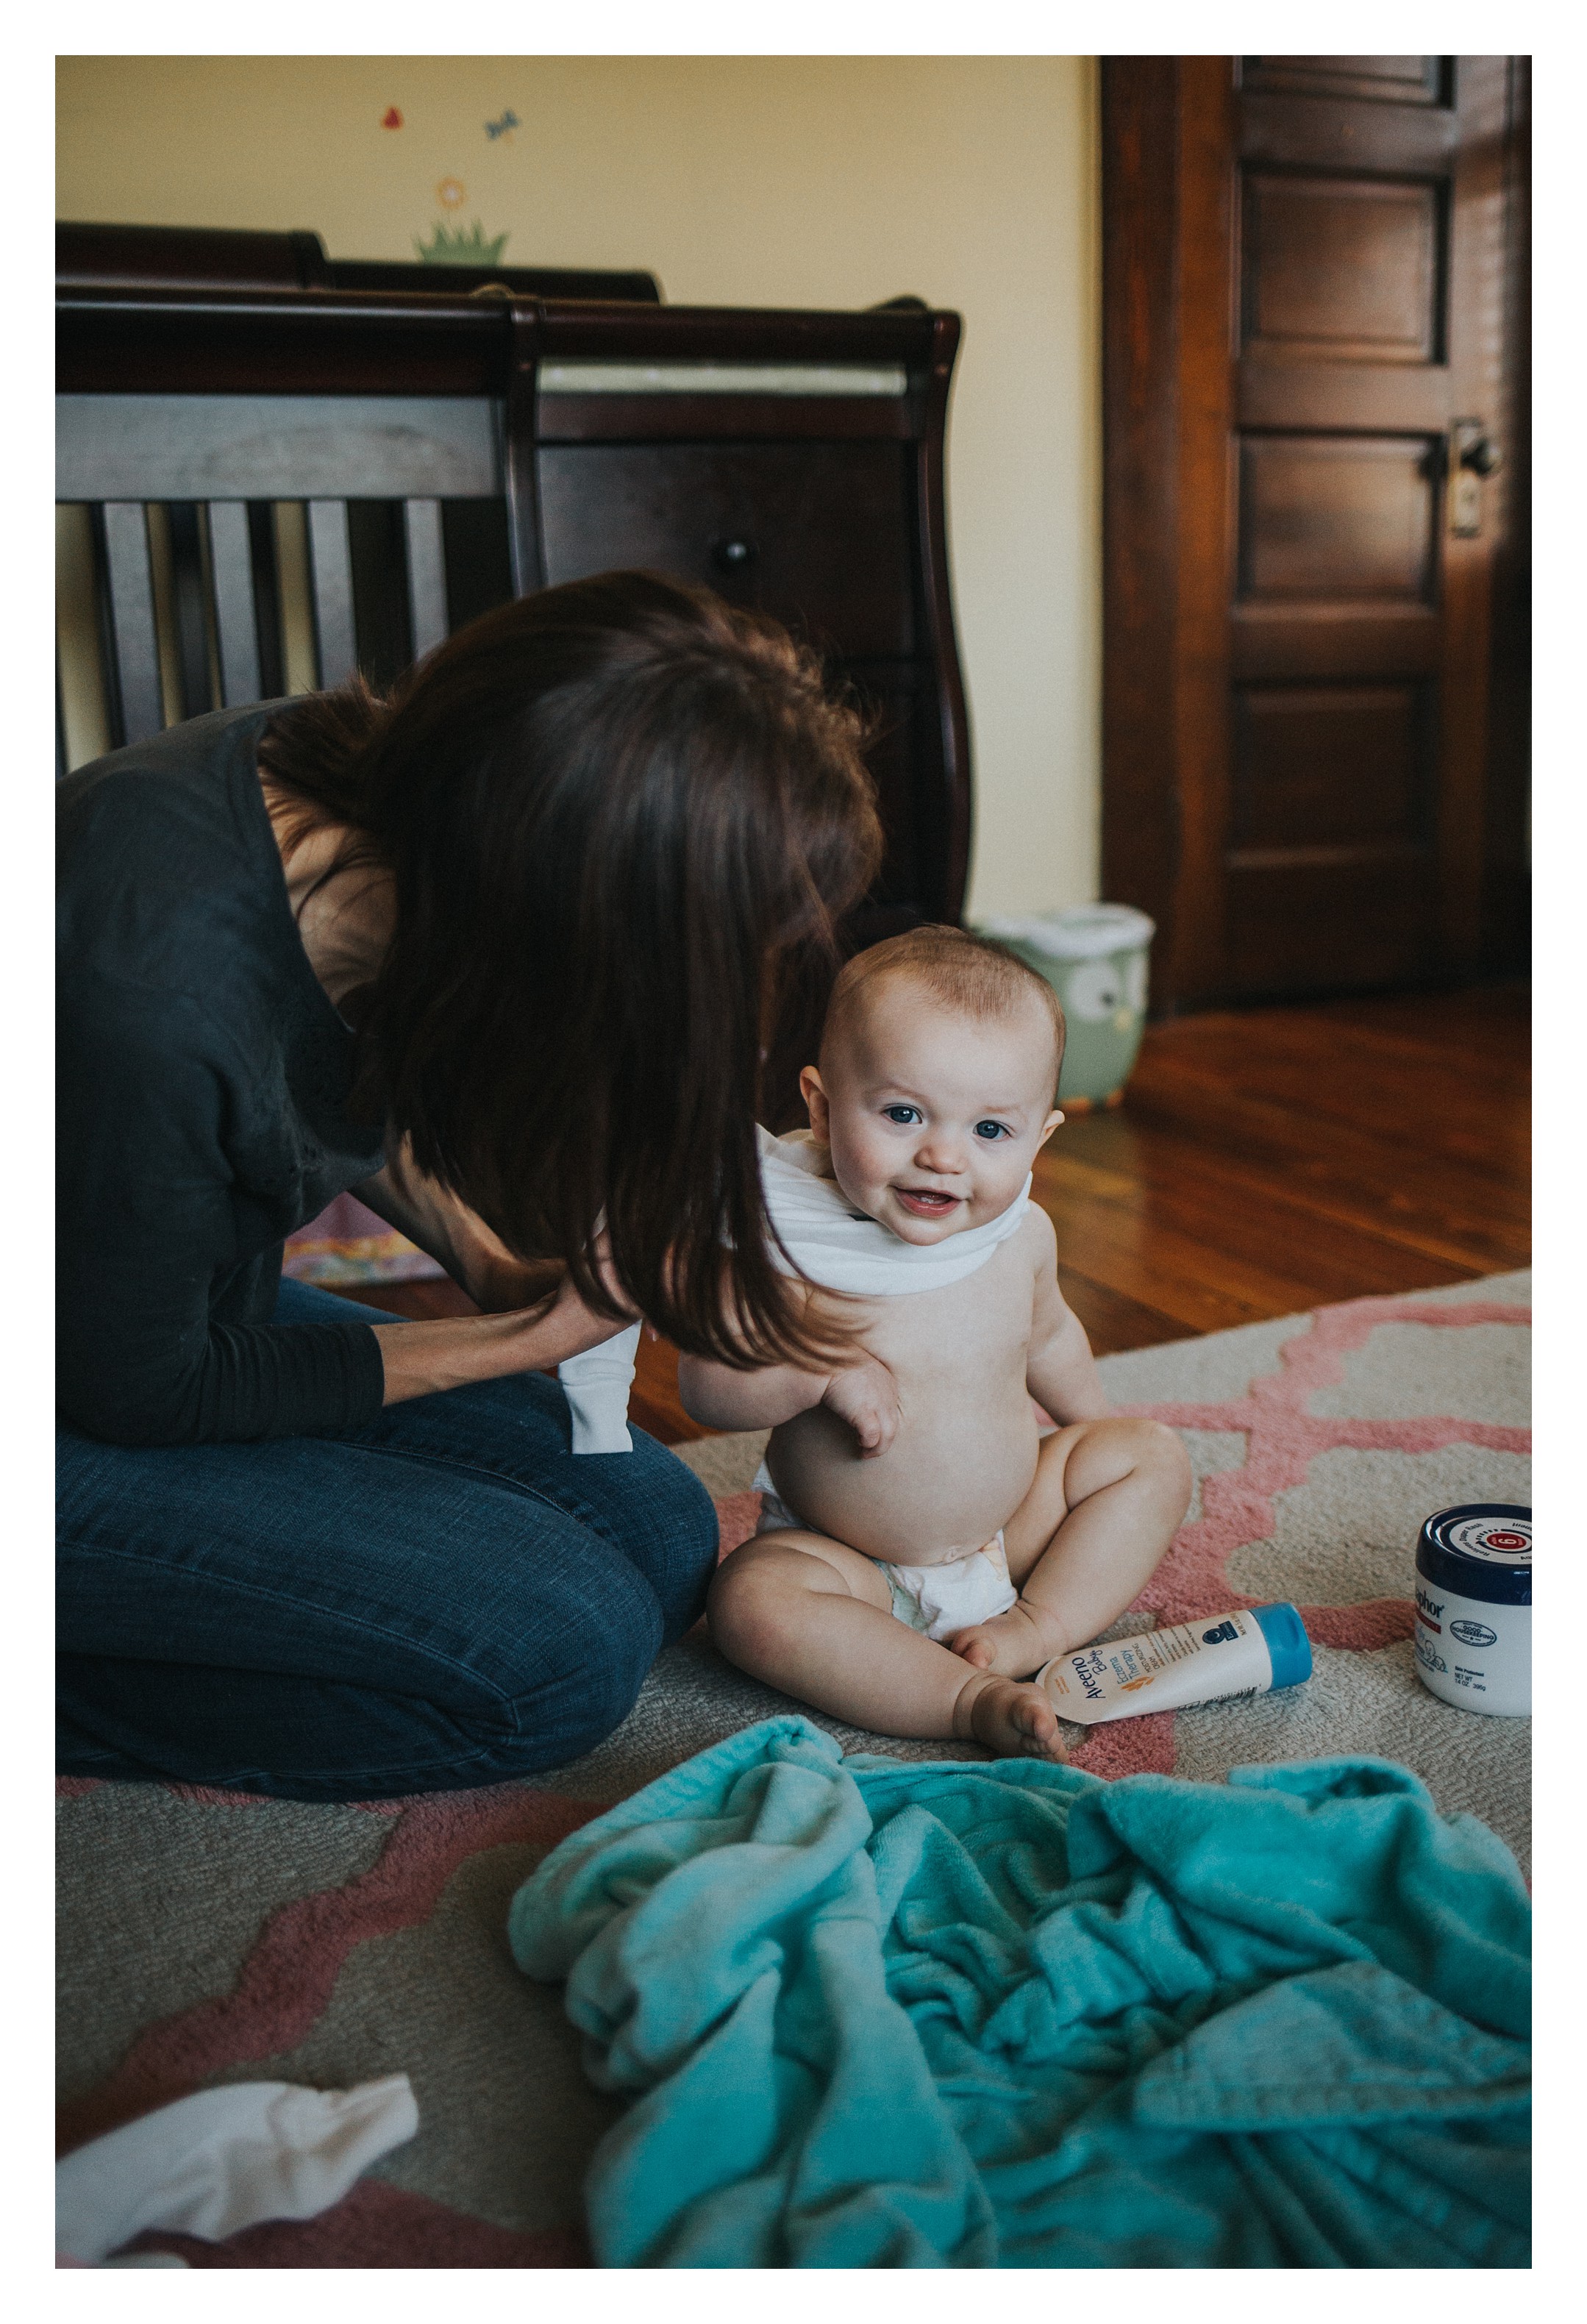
{"points": [[1282, 1440], [211, 1936]]}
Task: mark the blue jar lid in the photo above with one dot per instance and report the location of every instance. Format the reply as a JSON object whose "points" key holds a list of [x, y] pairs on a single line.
{"points": [[1288, 1648], [1482, 1550]]}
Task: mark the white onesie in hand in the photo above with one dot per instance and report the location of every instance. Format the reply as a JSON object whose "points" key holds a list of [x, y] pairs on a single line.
{"points": [[597, 1385]]}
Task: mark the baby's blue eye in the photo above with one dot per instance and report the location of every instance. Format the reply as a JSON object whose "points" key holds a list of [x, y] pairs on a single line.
{"points": [[902, 1114], [992, 1130]]}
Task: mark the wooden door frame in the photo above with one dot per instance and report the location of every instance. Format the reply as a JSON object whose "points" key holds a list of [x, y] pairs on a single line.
{"points": [[1169, 286], [1166, 386]]}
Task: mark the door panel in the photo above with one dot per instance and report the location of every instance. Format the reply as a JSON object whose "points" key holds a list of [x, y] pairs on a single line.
{"points": [[1341, 765], [1337, 517], [1339, 919], [1340, 269], [1392, 80]]}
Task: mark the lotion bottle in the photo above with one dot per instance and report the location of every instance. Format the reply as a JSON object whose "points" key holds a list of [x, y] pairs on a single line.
{"points": [[1248, 1652]]}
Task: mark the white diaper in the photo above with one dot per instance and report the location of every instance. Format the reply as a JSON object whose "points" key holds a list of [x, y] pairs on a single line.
{"points": [[936, 1598]]}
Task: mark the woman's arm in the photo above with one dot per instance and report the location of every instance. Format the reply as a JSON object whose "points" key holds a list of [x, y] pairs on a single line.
{"points": [[148, 1227], [456, 1352], [421, 1358]]}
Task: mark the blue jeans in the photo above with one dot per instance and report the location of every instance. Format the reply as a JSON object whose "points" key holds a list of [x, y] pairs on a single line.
{"points": [[447, 1597]]}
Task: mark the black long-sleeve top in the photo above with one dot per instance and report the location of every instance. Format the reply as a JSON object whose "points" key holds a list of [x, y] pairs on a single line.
{"points": [[203, 1088]]}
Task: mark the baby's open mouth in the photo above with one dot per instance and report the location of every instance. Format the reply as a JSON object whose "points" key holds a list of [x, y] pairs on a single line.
{"points": [[924, 1203]]}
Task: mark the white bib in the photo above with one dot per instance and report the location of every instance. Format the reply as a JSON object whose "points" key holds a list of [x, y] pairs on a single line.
{"points": [[826, 1239], [843, 1249]]}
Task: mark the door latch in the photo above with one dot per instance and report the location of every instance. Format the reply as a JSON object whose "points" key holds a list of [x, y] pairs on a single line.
{"points": [[1473, 454]]}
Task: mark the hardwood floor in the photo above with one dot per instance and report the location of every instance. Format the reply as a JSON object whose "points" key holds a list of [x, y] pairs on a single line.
{"points": [[1263, 1161]]}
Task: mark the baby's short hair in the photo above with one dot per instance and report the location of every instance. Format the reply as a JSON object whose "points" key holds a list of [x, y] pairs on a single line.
{"points": [[973, 975]]}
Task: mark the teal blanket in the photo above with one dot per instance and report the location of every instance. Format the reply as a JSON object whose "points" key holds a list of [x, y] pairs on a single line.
{"points": [[876, 2013]]}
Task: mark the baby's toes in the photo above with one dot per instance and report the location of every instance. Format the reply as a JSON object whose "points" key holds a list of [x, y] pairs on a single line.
{"points": [[1034, 1716], [974, 1648]]}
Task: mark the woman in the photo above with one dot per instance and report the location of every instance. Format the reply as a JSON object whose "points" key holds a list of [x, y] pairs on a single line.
{"points": [[501, 956]]}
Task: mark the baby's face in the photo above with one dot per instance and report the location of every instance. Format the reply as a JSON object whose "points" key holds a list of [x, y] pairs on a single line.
{"points": [[934, 1117]]}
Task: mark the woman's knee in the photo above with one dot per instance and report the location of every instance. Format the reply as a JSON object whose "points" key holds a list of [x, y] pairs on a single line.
{"points": [[544, 1713], [671, 1534]]}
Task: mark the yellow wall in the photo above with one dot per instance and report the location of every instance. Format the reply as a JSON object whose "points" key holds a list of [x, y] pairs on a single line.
{"points": [[821, 181]]}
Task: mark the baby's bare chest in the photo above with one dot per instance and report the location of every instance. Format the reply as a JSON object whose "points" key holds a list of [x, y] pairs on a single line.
{"points": [[960, 1340]]}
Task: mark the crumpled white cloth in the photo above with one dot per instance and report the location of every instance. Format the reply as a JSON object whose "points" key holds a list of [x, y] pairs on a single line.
{"points": [[827, 1239], [225, 2159]]}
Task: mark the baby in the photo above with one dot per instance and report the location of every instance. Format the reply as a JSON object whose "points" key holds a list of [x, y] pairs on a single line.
{"points": [[922, 1550]]}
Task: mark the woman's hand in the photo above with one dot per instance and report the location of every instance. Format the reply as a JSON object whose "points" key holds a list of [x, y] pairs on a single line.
{"points": [[420, 1359], [518, 1330], [866, 1395]]}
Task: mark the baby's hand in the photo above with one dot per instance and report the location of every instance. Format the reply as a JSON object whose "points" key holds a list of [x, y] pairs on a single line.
{"points": [[865, 1394]]}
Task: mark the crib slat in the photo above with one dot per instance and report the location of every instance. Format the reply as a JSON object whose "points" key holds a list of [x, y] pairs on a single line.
{"points": [[134, 644], [331, 560], [231, 565], [187, 583], [267, 615], [426, 575]]}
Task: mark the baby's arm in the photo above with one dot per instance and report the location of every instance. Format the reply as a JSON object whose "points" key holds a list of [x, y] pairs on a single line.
{"points": [[862, 1391], [720, 1398], [1060, 1370]]}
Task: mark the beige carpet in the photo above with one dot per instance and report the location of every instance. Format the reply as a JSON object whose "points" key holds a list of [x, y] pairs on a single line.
{"points": [[209, 1938]]}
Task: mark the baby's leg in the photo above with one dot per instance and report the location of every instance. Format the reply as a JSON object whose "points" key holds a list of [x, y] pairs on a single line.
{"points": [[1108, 1499], [812, 1618]]}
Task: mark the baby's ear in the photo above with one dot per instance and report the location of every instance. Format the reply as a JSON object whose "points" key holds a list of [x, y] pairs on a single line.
{"points": [[814, 1097], [1047, 1128]]}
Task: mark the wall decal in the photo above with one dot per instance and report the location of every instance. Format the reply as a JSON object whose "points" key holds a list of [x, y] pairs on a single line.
{"points": [[390, 119], [459, 246], [451, 193], [508, 122]]}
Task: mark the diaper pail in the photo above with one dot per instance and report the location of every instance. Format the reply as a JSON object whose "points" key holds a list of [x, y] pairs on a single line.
{"points": [[1474, 1607], [1095, 957]]}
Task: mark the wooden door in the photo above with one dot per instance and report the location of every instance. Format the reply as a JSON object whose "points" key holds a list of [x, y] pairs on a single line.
{"points": [[1312, 270]]}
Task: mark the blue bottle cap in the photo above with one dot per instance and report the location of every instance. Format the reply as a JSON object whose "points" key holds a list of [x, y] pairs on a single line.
{"points": [[1288, 1648], [1481, 1549]]}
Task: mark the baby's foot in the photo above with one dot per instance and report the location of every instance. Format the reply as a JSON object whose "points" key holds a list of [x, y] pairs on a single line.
{"points": [[1017, 1722], [1012, 1645]]}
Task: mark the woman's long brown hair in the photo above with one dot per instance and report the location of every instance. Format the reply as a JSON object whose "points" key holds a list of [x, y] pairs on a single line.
{"points": [[620, 816]]}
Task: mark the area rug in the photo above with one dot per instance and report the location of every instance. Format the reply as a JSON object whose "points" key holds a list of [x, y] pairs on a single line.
{"points": [[210, 1937]]}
